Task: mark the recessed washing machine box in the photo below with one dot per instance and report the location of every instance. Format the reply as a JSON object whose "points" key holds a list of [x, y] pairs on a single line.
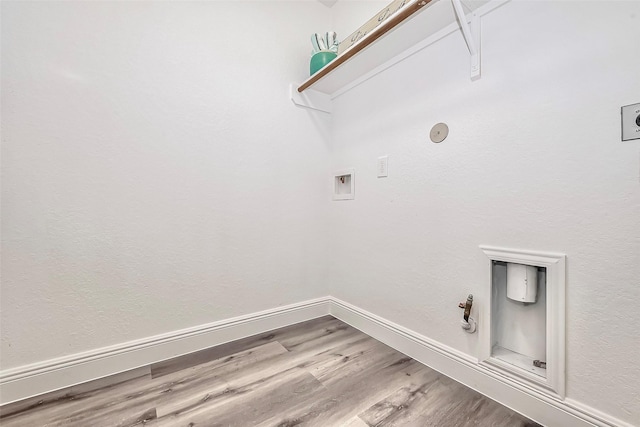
{"points": [[344, 185], [522, 330], [519, 322]]}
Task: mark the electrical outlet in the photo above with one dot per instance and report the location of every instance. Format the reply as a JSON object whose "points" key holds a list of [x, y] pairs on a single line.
{"points": [[383, 166], [630, 122]]}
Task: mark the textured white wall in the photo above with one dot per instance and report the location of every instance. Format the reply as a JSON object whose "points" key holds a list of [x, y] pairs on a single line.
{"points": [[349, 15], [155, 175], [533, 161], [152, 179]]}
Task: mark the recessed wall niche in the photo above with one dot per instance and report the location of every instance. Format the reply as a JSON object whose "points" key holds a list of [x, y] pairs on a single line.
{"points": [[522, 334], [344, 185]]}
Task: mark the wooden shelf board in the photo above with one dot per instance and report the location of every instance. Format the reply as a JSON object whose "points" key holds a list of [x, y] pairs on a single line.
{"points": [[410, 25]]}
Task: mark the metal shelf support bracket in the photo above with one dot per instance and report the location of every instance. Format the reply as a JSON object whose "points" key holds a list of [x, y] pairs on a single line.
{"points": [[471, 35], [310, 98]]}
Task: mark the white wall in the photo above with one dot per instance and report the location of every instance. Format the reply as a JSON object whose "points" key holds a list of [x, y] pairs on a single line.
{"points": [[349, 15], [533, 161], [155, 176]]}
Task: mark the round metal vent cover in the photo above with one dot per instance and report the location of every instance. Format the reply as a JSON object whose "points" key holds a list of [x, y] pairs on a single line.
{"points": [[439, 132]]}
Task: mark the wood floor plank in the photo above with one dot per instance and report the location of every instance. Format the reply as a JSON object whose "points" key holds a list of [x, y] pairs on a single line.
{"points": [[247, 405], [119, 400], [321, 373], [435, 400], [184, 389], [69, 393], [411, 402], [114, 405], [350, 359], [197, 387], [356, 422], [295, 341], [350, 394], [288, 335], [225, 365]]}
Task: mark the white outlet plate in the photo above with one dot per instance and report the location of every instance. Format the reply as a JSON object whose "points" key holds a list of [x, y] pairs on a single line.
{"points": [[383, 166], [630, 122]]}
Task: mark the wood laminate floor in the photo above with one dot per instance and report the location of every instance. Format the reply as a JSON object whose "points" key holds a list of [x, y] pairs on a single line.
{"points": [[317, 373]]}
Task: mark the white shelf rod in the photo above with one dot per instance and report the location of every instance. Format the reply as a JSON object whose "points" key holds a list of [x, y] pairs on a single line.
{"points": [[471, 35]]}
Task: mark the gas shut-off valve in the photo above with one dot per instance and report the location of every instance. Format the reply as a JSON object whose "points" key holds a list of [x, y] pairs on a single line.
{"points": [[468, 323]]}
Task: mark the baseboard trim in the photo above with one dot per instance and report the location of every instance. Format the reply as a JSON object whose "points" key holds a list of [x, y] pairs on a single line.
{"points": [[38, 378], [466, 370], [56, 374]]}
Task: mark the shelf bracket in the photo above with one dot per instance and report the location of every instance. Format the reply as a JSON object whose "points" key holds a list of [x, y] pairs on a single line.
{"points": [[471, 35], [310, 98]]}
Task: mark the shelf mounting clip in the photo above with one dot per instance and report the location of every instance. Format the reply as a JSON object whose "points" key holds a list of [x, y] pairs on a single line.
{"points": [[471, 35]]}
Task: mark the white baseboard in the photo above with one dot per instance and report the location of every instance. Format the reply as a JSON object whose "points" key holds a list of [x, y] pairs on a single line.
{"points": [[466, 370], [43, 377], [35, 379]]}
